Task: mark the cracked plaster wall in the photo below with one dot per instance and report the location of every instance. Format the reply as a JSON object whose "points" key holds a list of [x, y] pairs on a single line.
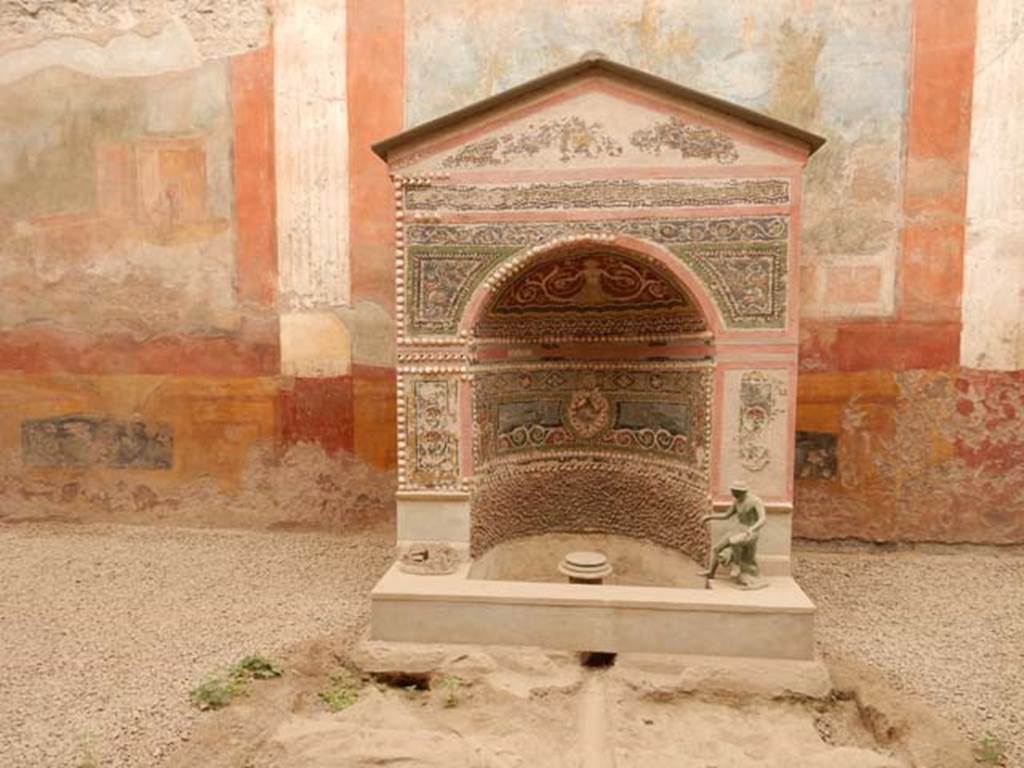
{"points": [[139, 277], [838, 69], [217, 28], [993, 302], [920, 456], [117, 191], [907, 444], [922, 448]]}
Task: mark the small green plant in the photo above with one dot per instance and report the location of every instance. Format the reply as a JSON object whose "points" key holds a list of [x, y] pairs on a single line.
{"points": [[343, 691], [990, 750], [256, 668], [450, 685], [217, 691]]}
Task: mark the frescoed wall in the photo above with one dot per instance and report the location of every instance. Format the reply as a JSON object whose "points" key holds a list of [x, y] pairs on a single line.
{"points": [[197, 281], [837, 69], [141, 367], [908, 420]]}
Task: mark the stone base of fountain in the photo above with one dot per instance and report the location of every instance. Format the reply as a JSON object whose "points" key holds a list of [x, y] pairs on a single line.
{"points": [[774, 622]]}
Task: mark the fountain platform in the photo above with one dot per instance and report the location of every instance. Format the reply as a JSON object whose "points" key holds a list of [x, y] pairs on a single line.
{"points": [[774, 622]]}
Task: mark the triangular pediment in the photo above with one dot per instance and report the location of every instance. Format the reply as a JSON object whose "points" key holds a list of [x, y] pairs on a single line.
{"points": [[597, 114]]}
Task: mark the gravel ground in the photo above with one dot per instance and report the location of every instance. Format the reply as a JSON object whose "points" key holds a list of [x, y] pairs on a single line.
{"points": [[104, 629], [947, 626]]}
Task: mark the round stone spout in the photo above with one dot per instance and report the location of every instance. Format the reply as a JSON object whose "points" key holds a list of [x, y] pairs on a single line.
{"points": [[585, 567]]}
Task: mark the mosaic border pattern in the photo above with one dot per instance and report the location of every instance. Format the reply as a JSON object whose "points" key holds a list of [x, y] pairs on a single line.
{"points": [[440, 281], [432, 432], [676, 230], [597, 194], [748, 281]]}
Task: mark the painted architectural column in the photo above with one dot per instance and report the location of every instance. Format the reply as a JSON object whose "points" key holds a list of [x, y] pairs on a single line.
{"points": [[376, 97], [993, 301], [311, 123]]}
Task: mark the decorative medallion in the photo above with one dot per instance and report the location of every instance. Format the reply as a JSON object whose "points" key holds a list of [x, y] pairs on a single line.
{"points": [[588, 413]]}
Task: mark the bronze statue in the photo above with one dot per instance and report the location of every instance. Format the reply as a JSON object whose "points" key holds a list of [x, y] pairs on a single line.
{"points": [[739, 548]]}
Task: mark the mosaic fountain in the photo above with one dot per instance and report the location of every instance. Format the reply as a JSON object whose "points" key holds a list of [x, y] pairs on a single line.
{"points": [[597, 334]]}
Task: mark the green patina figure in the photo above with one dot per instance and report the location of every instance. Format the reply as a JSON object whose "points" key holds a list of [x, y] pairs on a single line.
{"points": [[739, 548]]}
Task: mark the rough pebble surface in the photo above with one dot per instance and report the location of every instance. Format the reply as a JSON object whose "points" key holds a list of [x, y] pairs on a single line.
{"points": [[104, 629], [945, 625]]}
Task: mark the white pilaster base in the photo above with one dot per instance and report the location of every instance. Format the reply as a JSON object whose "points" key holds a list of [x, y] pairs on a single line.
{"points": [[433, 516]]}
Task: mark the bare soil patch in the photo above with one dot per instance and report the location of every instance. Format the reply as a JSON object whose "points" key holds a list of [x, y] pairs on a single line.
{"points": [[550, 711]]}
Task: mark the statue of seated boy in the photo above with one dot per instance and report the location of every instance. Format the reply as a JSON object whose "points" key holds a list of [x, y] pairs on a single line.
{"points": [[740, 547]]}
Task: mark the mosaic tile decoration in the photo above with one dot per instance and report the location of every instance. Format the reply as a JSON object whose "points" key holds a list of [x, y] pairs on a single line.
{"points": [[741, 260]]}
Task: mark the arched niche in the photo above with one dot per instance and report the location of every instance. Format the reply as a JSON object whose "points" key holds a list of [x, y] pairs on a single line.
{"points": [[591, 390]]}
